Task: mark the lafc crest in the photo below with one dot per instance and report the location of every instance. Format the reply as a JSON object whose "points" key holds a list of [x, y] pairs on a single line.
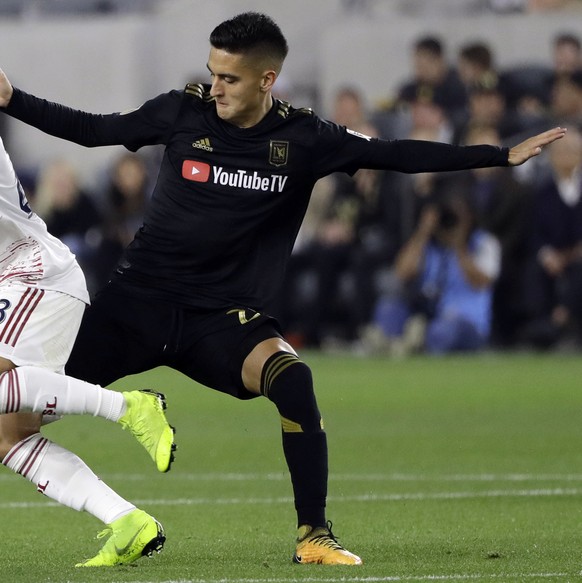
{"points": [[278, 152]]}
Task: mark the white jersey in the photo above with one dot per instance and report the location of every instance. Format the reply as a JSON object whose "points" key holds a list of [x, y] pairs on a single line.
{"points": [[29, 254]]}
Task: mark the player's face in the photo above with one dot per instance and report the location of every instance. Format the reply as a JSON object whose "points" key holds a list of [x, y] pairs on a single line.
{"points": [[240, 87]]}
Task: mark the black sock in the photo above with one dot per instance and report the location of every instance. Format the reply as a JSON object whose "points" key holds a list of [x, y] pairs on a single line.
{"points": [[288, 383], [306, 455]]}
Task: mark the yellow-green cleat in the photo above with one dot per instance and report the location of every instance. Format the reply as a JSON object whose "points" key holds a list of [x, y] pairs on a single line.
{"points": [[319, 545], [146, 420], [132, 536]]}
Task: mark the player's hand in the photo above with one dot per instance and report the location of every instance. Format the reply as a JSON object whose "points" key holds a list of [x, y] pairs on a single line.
{"points": [[5, 90], [533, 146]]}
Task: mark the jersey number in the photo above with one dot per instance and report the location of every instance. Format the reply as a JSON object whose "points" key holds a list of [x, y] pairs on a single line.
{"points": [[4, 305], [22, 199]]}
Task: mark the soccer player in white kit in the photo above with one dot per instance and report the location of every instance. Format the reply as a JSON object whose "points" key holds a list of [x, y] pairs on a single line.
{"points": [[43, 295]]}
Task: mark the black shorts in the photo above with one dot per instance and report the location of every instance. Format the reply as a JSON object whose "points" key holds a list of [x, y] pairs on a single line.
{"points": [[122, 335]]}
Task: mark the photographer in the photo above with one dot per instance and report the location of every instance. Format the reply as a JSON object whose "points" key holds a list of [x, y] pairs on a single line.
{"points": [[444, 277]]}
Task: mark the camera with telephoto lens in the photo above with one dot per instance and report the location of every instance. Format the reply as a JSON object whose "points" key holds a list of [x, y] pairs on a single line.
{"points": [[448, 218]]}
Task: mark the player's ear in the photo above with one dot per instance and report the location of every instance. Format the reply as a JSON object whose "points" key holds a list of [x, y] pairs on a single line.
{"points": [[268, 80]]}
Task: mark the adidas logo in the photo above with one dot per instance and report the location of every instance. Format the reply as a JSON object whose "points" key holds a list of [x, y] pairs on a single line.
{"points": [[203, 144]]}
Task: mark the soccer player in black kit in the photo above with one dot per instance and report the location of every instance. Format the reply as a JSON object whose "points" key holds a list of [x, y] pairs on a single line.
{"points": [[233, 187]]}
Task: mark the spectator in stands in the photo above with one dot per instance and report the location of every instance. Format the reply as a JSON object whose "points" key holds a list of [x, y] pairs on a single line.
{"points": [[389, 223], [446, 273], [475, 64], [566, 53], [566, 99], [487, 105], [555, 279], [403, 194], [126, 197], [502, 207], [513, 100], [434, 78], [541, 95], [69, 212], [528, 87], [336, 244]]}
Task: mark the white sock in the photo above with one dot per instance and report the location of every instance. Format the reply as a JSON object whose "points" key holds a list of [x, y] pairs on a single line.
{"points": [[64, 477], [30, 388]]}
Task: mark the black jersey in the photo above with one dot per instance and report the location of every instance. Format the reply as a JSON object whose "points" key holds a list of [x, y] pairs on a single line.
{"points": [[229, 201]]}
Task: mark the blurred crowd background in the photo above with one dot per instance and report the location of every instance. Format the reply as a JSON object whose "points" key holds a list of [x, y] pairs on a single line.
{"points": [[385, 263]]}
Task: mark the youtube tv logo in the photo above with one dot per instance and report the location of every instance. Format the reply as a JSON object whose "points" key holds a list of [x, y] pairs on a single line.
{"points": [[195, 171]]}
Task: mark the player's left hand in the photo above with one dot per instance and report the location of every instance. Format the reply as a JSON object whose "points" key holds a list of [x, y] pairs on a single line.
{"points": [[533, 146]]}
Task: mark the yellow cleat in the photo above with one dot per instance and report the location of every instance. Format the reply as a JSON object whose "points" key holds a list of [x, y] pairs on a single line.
{"points": [[319, 545], [132, 536], [146, 420]]}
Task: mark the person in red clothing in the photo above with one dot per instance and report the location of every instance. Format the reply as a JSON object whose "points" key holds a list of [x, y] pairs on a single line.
{"points": [[43, 295]]}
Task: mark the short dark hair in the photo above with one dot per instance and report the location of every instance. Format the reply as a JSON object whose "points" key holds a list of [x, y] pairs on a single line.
{"points": [[478, 53], [250, 32], [567, 38], [430, 44]]}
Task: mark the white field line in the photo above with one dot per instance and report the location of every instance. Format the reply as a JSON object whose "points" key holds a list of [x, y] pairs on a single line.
{"points": [[388, 477], [418, 496], [387, 579]]}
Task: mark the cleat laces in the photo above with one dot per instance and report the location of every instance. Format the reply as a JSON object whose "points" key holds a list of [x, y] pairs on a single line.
{"points": [[327, 539]]}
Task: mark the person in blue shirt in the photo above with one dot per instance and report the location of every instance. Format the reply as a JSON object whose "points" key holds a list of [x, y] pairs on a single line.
{"points": [[445, 274]]}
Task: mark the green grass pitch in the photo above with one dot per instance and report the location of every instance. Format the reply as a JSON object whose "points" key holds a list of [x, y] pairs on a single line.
{"points": [[452, 469]]}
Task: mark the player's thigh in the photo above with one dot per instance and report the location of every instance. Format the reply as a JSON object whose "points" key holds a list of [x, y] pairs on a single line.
{"points": [[15, 427], [119, 335], [38, 327], [216, 359]]}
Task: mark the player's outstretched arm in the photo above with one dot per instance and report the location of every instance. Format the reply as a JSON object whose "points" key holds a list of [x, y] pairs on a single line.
{"points": [[5, 90], [533, 146]]}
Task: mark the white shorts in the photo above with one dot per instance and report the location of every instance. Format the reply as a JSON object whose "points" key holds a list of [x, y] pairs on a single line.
{"points": [[38, 327]]}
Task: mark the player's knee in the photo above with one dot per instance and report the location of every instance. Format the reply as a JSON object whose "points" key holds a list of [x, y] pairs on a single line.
{"points": [[4, 449], [7, 442], [7, 401], [16, 427], [288, 383]]}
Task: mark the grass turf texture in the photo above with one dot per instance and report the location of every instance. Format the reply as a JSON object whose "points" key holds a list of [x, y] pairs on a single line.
{"points": [[454, 469]]}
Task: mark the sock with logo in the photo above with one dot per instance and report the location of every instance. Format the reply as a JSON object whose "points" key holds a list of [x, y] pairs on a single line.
{"points": [[63, 476], [288, 383], [38, 390]]}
